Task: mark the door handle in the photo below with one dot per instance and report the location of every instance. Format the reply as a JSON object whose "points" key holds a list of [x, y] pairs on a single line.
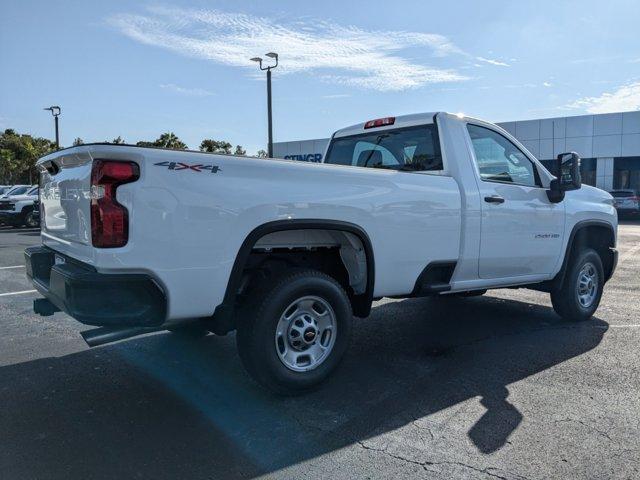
{"points": [[494, 199]]}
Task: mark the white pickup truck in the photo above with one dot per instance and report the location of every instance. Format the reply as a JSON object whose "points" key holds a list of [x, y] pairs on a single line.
{"points": [[137, 239]]}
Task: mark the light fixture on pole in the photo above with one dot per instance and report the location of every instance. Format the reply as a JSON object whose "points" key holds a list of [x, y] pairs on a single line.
{"points": [[274, 56], [55, 111]]}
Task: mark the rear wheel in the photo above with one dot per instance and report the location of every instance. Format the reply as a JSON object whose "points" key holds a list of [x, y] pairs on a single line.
{"points": [[580, 294], [295, 331]]}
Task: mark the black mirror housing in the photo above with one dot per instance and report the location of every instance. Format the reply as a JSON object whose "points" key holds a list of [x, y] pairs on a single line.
{"points": [[568, 176], [568, 168]]}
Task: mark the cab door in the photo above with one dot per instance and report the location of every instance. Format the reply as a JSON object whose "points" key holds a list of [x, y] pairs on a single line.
{"points": [[521, 231]]}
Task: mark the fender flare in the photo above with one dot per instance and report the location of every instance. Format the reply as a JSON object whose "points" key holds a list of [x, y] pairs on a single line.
{"points": [[559, 278], [223, 314]]}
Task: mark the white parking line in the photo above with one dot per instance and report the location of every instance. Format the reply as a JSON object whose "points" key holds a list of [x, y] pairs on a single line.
{"points": [[14, 266], [606, 327], [16, 293]]}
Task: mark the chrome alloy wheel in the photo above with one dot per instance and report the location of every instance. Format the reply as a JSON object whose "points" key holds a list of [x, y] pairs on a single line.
{"points": [[306, 333], [587, 286]]}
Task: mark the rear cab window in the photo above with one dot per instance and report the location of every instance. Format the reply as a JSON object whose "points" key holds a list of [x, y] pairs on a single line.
{"points": [[406, 149]]}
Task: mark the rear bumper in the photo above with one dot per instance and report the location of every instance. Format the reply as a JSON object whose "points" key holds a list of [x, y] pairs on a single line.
{"points": [[95, 298]]}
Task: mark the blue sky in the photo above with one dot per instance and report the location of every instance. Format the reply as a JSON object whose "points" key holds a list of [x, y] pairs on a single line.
{"points": [[137, 69]]}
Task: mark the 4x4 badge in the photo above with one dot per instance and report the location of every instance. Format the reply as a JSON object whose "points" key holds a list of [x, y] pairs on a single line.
{"points": [[196, 167]]}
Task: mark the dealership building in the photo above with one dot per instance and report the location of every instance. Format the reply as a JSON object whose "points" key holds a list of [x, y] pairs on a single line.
{"points": [[608, 143]]}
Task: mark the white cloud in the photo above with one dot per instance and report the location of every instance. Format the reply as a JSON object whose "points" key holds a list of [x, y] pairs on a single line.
{"points": [[193, 92], [346, 54], [547, 84], [626, 97], [337, 95], [491, 61]]}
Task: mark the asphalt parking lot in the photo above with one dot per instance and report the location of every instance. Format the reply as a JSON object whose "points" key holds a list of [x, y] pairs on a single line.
{"points": [[489, 387]]}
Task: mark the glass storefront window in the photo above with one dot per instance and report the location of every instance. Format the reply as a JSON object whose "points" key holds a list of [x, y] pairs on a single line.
{"points": [[626, 173]]}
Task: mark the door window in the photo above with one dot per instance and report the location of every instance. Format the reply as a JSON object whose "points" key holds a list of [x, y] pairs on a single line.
{"points": [[499, 160]]}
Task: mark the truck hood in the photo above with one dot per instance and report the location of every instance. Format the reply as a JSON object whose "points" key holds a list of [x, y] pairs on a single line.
{"points": [[587, 192]]}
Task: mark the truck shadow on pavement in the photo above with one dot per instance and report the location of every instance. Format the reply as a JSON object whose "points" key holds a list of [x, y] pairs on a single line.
{"points": [[163, 406]]}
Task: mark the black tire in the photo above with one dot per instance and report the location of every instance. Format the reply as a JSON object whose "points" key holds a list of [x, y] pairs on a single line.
{"points": [[259, 318], [566, 300], [30, 220]]}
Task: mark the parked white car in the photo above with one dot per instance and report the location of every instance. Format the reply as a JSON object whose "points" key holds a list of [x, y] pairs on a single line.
{"points": [[17, 206], [287, 252]]}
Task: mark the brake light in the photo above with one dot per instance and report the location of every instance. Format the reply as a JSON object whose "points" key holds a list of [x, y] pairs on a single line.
{"points": [[380, 122], [109, 219]]}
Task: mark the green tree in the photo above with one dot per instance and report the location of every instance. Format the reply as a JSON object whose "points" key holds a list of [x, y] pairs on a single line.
{"points": [[170, 140], [117, 141], [239, 150], [167, 140], [78, 141], [18, 155], [215, 146], [261, 154]]}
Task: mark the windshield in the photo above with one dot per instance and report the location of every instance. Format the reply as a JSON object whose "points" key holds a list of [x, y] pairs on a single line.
{"points": [[17, 191], [412, 148]]}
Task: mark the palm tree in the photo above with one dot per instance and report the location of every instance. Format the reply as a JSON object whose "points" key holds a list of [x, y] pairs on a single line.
{"points": [[170, 140]]}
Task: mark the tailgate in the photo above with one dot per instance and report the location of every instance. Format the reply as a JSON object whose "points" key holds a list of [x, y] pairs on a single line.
{"points": [[65, 198]]}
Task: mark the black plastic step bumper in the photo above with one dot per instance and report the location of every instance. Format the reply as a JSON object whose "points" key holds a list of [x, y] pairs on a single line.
{"points": [[90, 297]]}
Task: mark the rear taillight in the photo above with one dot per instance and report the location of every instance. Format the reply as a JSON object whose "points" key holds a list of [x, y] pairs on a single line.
{"points": [[109, 219]]}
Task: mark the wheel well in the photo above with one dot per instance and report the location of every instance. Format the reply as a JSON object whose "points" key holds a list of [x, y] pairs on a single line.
{"points": [[26, 209], [339, 249], [337, 253], [598, 236], [602, 240]]}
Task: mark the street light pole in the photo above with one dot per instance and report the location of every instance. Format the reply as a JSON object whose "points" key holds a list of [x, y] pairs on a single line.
{"points": [[55, 111], [270, 121], [269, 111]]}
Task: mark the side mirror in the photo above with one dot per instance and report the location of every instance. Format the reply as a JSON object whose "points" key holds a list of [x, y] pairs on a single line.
{"points": [[568, 168], [568, 176]]}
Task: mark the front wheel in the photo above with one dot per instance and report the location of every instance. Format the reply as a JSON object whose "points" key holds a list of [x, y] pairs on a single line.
{"points": [[31, 220], [295, 331], [580, 294]]}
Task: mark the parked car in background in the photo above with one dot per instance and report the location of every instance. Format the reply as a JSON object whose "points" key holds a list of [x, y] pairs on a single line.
{"points": [[626, 201], [4, 189], [17, 207], [15, 190]]}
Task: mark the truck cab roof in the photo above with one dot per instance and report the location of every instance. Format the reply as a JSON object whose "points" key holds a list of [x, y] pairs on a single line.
{"points": [[398, 122]]}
